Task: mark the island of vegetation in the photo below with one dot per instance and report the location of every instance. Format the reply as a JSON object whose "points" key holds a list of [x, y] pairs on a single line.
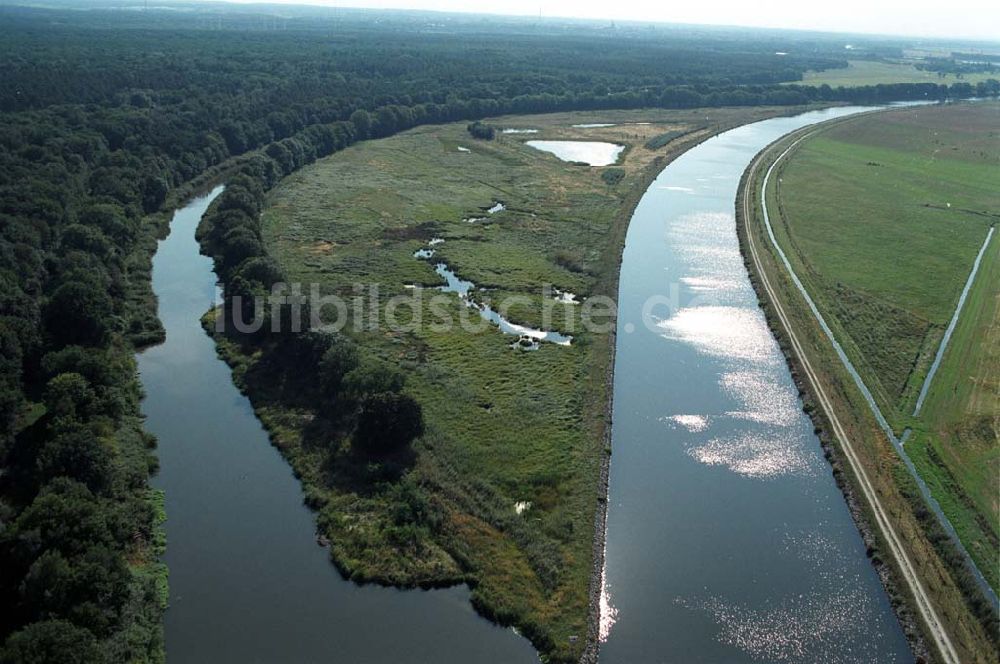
{"points": [[882, 217]]}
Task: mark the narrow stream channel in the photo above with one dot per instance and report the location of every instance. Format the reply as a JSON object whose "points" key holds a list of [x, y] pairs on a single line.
{"points": [[728, 540], [529, 338], [248, 583]]}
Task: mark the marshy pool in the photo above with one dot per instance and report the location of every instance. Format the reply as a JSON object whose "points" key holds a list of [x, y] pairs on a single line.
{"points": [[592, 153], [529, 338]]}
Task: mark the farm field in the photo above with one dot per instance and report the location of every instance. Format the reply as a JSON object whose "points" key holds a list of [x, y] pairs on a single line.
{"points": [[884, 216], [511, 512], [871, 72]]}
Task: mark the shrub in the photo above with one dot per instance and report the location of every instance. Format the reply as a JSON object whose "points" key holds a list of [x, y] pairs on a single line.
{"points": [[612, 176], [482, 131], [372, 376], [660, 140], [66, 517], [51, 641], [388, 421], [77, 454]]}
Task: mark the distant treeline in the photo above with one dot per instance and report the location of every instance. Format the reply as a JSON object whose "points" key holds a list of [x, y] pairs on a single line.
{"points": [[961, 66], [977, 57], [99, 127]]}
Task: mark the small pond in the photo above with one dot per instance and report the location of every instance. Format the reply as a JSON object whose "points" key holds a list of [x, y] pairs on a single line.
{"points": [[592, 153]]}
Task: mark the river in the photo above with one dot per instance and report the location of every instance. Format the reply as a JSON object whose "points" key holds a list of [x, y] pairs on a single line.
{"points": [[248, 583], [727, 538]]}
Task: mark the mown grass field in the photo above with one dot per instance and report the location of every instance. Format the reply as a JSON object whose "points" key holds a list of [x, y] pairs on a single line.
{"points": [[504, 426], [884, 216], [872, 72]]}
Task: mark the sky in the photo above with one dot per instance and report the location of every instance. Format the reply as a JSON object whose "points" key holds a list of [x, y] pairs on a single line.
{"points": [[967, 19]]}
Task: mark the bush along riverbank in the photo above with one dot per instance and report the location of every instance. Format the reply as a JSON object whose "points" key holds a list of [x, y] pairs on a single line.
{"points": [[354, 397], [968, 617]]}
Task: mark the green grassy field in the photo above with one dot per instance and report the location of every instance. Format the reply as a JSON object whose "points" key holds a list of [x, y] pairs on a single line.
{"points": [[954, 442], [506, 428], [871, 72], [884, 216]]}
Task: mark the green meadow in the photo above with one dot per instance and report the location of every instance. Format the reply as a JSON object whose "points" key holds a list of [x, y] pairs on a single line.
{"points": [[884, 216]]}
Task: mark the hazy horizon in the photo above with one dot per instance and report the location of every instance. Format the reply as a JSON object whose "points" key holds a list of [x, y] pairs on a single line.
{"points": [[966, 19]]}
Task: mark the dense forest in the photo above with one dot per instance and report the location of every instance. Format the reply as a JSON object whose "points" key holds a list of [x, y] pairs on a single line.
{"points": [[107, 117]]}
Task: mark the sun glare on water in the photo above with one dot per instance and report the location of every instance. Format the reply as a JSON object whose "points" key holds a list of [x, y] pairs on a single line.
{"points": [[731, 332]]}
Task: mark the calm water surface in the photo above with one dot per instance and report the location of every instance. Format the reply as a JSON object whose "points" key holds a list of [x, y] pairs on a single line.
{"points": [[728, 540], [594, 153], [248, 582]]}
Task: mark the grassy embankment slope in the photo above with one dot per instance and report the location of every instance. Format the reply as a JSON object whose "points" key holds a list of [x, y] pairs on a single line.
{"points": [[503, 426], [864, 216]]}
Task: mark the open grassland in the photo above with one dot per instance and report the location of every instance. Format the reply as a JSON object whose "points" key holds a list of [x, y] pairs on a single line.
{"points": [[875, 72], [503, 488], [882, 217], [968, 618], [955, 440], [885, 215]]}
